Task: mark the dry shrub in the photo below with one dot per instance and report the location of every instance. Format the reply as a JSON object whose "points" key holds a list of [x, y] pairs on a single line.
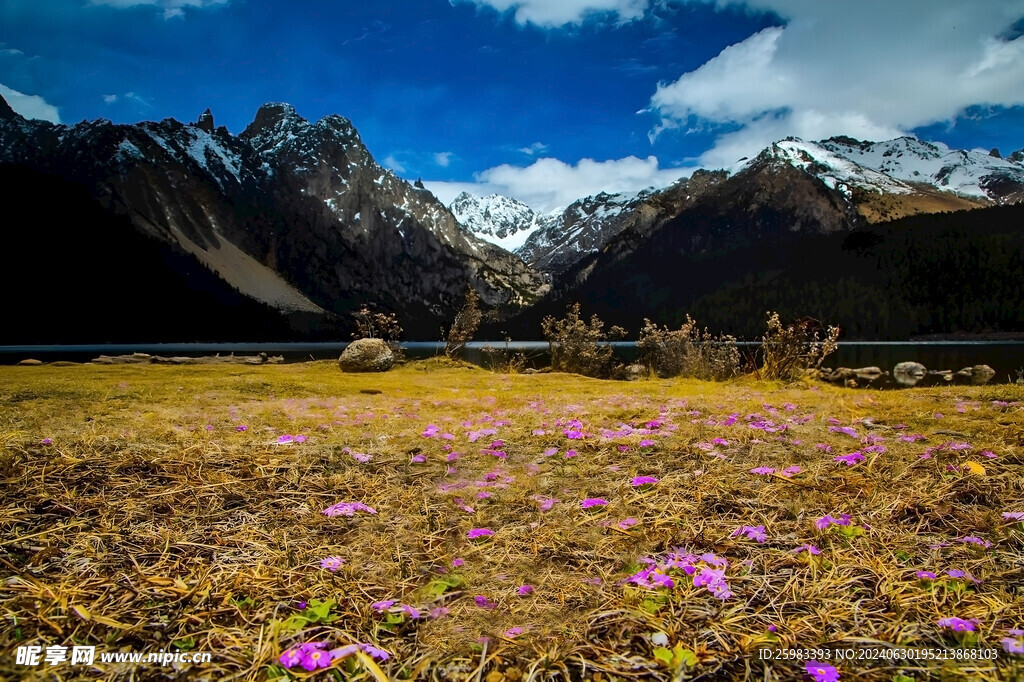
{"points": [[581, 347], [688, 352], [789, 351], [372, 324], [465, 325]]}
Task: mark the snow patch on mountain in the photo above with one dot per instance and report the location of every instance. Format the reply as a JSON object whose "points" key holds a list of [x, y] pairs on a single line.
{"points": [[500, 220], [963, 172], [835, 170]]}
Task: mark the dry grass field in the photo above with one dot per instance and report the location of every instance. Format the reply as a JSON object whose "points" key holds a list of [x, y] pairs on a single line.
{"points": [[508, 527]]}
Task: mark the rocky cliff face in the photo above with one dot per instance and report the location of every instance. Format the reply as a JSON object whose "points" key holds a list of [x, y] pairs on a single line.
{"points": [[293, 214]]}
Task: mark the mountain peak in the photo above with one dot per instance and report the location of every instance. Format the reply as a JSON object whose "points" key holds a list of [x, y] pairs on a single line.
{"points": [[271, 116], [205, 121], [6, 112]]}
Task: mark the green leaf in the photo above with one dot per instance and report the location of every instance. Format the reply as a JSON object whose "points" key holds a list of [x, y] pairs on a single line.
{"points": [[901, 678], [185, 643], [683, 656], [276, 672], [663, 655], [319, 611]]}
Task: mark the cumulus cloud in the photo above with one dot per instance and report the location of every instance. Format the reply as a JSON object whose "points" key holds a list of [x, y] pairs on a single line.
{"points": [[172, 8], [534, 149], [547, 184], [394, 164], [555, 13], [872, 69], [443, 159], [30, 106], [109, 99]]}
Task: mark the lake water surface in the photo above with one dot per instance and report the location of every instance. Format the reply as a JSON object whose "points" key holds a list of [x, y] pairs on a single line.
{"points": [[1005, 357]]}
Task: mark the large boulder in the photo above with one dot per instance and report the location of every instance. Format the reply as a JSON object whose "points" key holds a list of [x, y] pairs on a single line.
{"points": [[366, 355], [909, 373], [976, 375]]}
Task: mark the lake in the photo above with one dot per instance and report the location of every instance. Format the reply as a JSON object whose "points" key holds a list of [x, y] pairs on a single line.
{"points": [[1005, 357]]}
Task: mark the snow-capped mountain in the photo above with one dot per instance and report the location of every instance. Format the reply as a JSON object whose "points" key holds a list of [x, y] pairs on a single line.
{"points": [[294, 214], [972, 174], [500, 220], [904, 166]]}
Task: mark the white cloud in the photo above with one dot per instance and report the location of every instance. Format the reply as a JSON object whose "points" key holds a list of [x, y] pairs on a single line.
{"points": [[555, 13], [30, 106], [394, 164], [171, 8], [871, 69], [109, 99], [547, 184], [443, 159], [534, 149]]}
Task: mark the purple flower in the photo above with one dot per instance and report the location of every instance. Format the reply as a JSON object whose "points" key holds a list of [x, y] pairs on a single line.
{"points": [[763, 471], [828, 520], [958, 624], [382, 605], [626, 523], [332, 563], [791, 471], [569, 454], [850, 459], [438, 611], [719, 441], [300, 438], [844, 429], [925, 575], [646, 443], [479, 533], [291, 657], [546, 503], [348, 509], [410, 611], [550, 451], [823, 446], [315, 659], [975, 541], [457, 562], [47, 441], [593, 502], [525, 590], [772, 628], [241, 427], [285, 438], [1013, 646], [483, 602], [821, 672], [810, 549], [513, 632], [374, 652], [644, 480], [752, 532], [418, 459], [1013, 516], [958, 446], [573, 434]]}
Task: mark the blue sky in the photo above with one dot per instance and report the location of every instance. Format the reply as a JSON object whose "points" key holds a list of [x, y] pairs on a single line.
{"points": [[546, 100]]}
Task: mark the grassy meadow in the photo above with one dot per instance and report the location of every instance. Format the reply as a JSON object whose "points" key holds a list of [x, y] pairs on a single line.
{"points": [[543, 526]]}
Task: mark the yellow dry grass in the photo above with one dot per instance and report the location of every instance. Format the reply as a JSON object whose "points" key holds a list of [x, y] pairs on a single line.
{"points": [[151, 522]]}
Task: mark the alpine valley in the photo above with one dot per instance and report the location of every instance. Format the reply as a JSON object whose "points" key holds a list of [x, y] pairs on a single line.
{"points": [[169, 231]]}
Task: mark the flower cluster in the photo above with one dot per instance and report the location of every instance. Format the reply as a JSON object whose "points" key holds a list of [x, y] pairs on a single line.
{"points": [[708, 570], [755, 533], [348, 509], [314, 655], [828, 520]]}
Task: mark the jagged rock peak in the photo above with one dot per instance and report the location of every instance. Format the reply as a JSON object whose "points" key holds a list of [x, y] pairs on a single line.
{"points": [[272, 115], [5, 110], [205, 121]]}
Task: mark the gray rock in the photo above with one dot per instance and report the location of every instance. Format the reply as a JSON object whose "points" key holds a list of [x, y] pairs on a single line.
{"points": [[976, 375], [366, 355], [909, 373], [634, 372], [30, 361]]}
